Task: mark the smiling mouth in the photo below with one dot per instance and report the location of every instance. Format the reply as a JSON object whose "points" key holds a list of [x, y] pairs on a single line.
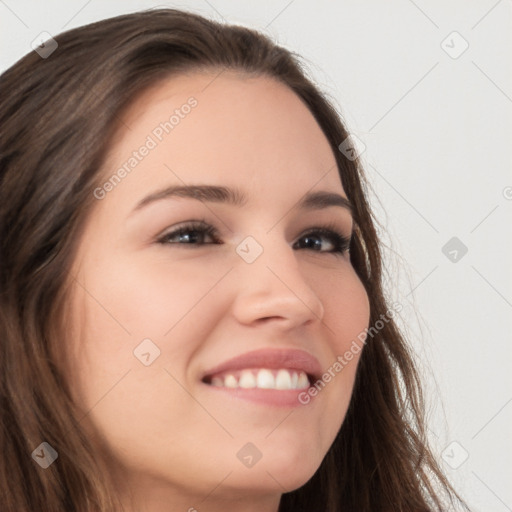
{"points": [[280, 379]]}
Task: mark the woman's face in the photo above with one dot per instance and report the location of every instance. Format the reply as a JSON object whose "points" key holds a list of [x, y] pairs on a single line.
{"points": [[157, 315]]}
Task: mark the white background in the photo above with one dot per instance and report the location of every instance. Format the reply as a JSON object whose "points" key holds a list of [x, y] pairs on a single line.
{"points": [[438, 133]]}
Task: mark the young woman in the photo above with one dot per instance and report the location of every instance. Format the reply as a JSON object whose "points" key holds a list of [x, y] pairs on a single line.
{"points": [[192, 312]]}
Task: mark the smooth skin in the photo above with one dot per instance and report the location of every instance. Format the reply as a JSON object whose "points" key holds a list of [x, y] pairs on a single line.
{"points": [[169, 440]]}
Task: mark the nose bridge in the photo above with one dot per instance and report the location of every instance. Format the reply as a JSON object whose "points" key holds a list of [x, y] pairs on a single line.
{"points": [[271, 283]]}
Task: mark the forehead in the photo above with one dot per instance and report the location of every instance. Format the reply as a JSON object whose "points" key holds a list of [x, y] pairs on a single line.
{"points": [[223, 127]]}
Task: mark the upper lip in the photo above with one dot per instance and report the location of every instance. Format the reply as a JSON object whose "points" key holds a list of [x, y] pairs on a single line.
{"points": [[272, 359]]}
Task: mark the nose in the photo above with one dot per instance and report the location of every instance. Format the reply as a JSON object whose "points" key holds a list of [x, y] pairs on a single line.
{"points": [[273, 288]]}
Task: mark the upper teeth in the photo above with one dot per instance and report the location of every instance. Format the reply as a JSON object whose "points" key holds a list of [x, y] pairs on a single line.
{"points": [[263, 378]]}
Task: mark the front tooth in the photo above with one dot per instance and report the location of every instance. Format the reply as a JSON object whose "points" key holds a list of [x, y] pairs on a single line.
{"points": [[265, 379], [247, 379], [230, 381], [295, 380], [303, 380], [283, 380]]}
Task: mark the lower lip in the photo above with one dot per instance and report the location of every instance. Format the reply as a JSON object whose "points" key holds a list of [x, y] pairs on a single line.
{"points": [[272, 397]]}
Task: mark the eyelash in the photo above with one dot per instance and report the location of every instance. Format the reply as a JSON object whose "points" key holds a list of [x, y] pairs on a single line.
{"points": [[340, 242]]}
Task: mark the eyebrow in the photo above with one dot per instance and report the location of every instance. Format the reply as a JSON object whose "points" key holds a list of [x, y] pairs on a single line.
{"points": [[233, 196]]}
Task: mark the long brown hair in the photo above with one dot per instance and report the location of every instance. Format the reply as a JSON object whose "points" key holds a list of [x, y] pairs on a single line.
{"points": [[57, 118]]}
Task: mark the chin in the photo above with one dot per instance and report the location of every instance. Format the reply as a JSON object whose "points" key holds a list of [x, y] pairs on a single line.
{"points": [[273, 480], [279, 471]]}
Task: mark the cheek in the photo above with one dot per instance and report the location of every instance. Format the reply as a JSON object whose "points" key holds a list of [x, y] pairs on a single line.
{"points": [[347, 315], [128, 301], [119, 303], [347, 311], [112, 311]]}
